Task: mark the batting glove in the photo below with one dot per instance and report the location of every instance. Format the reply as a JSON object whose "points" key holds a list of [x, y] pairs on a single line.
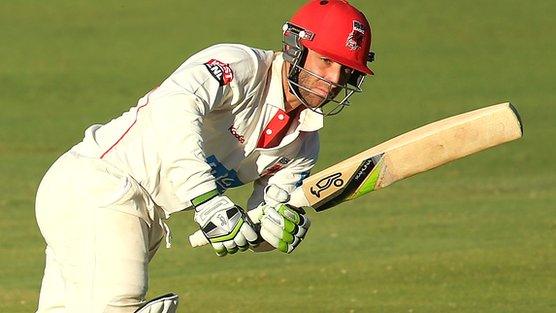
{"points": [[282, 225], [225, 224]]}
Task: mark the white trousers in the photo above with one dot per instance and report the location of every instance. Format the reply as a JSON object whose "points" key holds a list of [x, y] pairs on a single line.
{"points": [[101, 229]]}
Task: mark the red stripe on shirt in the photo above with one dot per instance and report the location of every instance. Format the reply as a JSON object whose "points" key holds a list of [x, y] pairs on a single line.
{"points": [[128, 129]]}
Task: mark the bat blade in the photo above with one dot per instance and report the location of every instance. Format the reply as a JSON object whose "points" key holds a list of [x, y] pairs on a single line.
{"points": [[411, 153]]}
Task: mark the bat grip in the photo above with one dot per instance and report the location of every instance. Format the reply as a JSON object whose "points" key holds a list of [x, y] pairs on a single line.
{"points": [[198, 239]]}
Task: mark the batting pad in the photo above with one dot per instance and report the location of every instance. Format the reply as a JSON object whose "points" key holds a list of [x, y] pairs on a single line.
{"points": [[167, 303]]}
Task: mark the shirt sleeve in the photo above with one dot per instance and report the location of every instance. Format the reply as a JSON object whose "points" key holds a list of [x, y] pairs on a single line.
{"points": [[211, 81], [290, 177]]}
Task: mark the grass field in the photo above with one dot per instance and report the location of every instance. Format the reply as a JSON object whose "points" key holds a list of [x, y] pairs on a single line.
{"points": [[477, 235]]}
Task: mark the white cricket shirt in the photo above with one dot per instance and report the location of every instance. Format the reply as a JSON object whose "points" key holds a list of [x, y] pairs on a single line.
{"points": [[199, 130]]}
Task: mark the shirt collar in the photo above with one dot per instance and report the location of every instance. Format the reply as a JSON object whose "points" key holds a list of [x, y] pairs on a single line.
{"points": [[308, 120]]}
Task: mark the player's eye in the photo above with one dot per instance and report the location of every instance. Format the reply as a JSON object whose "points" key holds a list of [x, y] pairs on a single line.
{"points": [[326, 61]]}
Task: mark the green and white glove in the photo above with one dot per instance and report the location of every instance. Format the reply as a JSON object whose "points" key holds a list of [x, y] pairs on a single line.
{"points": [[224, 224], [282, 225]]}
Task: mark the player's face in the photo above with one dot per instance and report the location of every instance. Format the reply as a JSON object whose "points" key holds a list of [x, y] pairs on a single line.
{"points": [[325, 86]]}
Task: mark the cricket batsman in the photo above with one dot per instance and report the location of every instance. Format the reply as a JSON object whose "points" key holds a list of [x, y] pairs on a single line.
{"points": [[229, 115]]}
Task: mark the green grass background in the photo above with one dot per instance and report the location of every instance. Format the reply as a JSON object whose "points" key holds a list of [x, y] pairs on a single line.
{"points": [[477, 235]]}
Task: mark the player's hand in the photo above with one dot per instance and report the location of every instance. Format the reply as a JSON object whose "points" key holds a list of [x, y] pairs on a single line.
{"points": [[225, 224], [282, 226]]}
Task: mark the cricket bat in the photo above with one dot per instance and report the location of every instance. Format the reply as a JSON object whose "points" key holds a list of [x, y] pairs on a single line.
{"points": [[408, 154]]}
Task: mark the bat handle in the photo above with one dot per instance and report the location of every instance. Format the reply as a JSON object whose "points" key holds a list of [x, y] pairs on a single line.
{"points": [[198, 239]]}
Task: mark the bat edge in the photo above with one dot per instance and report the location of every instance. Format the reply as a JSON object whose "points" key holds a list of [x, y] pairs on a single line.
{"points": [[517, 115]]}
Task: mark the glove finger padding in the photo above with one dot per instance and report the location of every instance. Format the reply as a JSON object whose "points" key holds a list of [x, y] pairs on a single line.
{"points": [[224, 224], [249, 233], [278, 243], [284, 227], [297, 216], [219, 248], [231, 246], [277, 231], [275, 241], [241, 243]]}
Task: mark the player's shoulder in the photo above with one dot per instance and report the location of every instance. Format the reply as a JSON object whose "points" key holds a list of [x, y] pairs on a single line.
{"points": [[238, 50], [235, 65], [246, 64], [237, 55]]}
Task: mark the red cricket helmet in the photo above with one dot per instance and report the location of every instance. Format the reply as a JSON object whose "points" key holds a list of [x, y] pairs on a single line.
{"points": [[337, 30]]}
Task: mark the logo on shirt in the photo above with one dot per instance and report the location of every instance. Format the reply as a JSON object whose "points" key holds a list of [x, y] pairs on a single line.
{"points": [[234, 133], [220, 71], [355, 38], [276, 167], [225, 178]]}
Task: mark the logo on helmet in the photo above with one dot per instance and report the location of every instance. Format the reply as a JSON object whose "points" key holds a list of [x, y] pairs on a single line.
{"points": [[355, 38]]}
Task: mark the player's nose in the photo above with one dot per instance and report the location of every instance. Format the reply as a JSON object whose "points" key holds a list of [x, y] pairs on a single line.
{"points": [[334, 72]]}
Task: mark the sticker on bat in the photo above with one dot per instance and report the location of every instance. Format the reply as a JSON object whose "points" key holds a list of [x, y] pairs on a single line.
{"points": [[326, 182], [363, 181]]}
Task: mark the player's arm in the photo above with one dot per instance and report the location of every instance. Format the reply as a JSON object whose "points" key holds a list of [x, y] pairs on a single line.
{"points": [[179, 107]]}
